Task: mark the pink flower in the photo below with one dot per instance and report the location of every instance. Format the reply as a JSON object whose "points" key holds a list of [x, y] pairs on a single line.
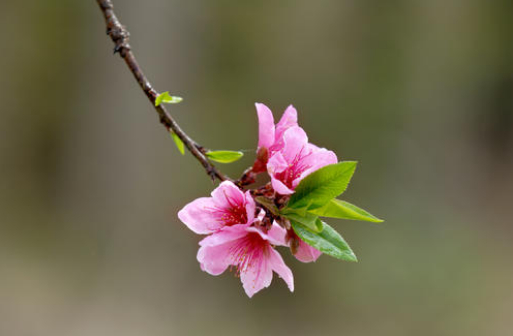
{"points": [[305, 253], [228, 206], [249, 250], [295, 160], [289, 159], [270, 136]]}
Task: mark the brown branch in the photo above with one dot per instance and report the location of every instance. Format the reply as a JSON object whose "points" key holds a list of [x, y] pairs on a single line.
{"points": [[119, 36]]}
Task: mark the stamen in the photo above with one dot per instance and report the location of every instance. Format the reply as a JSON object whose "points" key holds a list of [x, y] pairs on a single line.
{"points": [[246, 251]]}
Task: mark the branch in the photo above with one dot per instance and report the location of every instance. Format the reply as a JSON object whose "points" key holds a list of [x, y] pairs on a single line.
{"points": [[119, 36]]}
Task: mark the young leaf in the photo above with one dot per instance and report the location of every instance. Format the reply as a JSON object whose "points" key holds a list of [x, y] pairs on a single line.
{"points": [[327, 241], [224, 156], [178, 142], [269, 204], [309, 220], [166, 98], [345, 210], [321, 186]]}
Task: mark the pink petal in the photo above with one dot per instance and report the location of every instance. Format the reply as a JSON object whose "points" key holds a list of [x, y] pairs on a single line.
{"points": [[250, 206], [305, 253], [227, 195], [215, 259], [216, 251], [261, 215], [229, 233], [288, 119], [276, 164], [295, 141], [321, 157], [198, 216], [280, 187], [277, 235], [314, 161], [265, 126], [278, 265], [257, 274], [256, 230]]}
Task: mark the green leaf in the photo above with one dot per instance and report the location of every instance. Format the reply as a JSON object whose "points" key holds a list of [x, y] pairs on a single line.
{"points": [[166, 98], [327, 241], [309, 220], [321, 186], [178, 142], [224, 156], [269, 204], [345, 210]]}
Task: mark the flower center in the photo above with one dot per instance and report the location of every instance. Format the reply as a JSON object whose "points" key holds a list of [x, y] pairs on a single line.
{"points": [[248, 250], [234, 215], [295, 169]]}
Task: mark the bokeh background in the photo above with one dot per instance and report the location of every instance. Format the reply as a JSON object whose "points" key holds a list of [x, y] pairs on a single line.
{"points": [[419, 92]]}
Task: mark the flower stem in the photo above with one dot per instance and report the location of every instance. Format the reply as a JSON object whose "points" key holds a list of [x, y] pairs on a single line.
{"points": [[119, 36]]}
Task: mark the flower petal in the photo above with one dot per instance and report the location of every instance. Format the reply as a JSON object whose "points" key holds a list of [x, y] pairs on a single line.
{"points": [[215, 253], [288, 119], [229, 233], [295, 140], [227, 195], [250, 206], [315, 160], [277, 164], [320, 157], [280, 187], [265, 126], [257, 274], [278, 265], [305, 253], [199, 217], [277, 235], [215, 259]]}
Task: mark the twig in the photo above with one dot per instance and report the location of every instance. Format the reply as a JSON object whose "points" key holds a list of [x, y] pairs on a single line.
{"points": [[119, 36]]}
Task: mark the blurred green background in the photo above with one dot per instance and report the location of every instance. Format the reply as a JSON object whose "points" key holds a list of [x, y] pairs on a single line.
{"points": [[419, 92]]}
